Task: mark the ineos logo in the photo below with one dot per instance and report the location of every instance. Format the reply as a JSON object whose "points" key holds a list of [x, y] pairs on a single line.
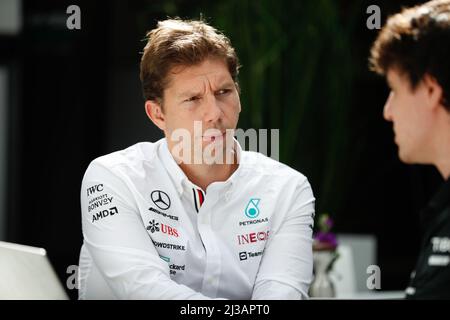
{"points": [[160, 199]]}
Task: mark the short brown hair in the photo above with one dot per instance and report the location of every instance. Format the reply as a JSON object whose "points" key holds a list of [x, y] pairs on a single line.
{"points": [[177, 42], [416, 41]]}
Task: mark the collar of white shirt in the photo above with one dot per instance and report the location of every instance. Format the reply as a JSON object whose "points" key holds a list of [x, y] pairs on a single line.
{"points": [[183, 184]]}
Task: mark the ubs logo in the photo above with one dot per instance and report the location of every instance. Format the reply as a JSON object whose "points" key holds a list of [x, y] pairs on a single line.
{"points": [[154, 226], [160, 199]]}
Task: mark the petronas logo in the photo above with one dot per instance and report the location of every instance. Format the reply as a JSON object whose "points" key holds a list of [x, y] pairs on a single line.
{"points": [[252, 210], [166, 259]]}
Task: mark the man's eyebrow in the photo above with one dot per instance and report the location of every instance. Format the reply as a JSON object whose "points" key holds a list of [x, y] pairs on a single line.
{"points": [[188, 93], [226, 83], [193, 93]]}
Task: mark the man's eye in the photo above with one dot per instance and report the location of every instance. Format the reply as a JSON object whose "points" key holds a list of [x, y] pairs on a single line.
{"points": [[191, 99], [223, 91]]}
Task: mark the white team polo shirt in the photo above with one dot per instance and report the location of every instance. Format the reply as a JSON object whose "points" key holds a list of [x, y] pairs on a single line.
{"points": [[150, 233]]}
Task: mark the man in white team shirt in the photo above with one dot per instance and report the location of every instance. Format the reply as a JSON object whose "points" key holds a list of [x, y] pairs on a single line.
{"points": [[160, 222]]}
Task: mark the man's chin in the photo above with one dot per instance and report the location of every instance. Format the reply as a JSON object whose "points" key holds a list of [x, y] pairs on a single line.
{"points": [[406, 157]]}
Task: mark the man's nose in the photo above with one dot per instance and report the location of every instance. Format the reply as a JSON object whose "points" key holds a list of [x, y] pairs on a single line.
{"points": [[211, 111], [387, 110]]}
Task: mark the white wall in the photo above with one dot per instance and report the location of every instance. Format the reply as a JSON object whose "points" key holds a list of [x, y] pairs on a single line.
{"points": [[364, 254], [10, 17]]}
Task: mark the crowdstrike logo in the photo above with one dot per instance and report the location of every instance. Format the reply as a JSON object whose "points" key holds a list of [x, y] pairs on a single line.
{"points": [[169, 246]]}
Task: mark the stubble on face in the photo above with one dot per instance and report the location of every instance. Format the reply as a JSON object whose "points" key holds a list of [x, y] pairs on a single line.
{"points": [[202, 96]]}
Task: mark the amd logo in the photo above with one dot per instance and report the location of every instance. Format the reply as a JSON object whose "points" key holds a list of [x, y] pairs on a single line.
{"points": [[253, 237], [104, 213], [94, 189]]}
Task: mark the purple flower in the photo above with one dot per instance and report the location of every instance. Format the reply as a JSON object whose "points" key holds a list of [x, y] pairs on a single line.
{"points": [[326, 237], [329, 222]]}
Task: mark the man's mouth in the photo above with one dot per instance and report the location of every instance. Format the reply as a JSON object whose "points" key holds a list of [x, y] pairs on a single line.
{"points": [[395, 136], [214, 137]]}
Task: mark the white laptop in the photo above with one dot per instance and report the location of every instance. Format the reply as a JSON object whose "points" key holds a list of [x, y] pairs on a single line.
{"points": [[26, 274]]}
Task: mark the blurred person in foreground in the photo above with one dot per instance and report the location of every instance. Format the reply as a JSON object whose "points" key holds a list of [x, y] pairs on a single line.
{"points": [[413, 52], [165, 220]]}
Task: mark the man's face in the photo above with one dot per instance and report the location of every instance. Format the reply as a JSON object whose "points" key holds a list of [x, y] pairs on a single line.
{"points": [[205, 94], [412, 120]]}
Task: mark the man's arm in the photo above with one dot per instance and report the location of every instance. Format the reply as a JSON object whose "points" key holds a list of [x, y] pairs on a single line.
{"points": [[286, 266], [119, 244]]}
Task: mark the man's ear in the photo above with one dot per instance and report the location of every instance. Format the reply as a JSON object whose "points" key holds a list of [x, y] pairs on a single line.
{"points": [[154, 112], [434, 91]]}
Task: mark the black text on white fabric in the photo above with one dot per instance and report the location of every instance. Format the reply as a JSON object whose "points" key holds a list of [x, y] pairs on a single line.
{"points": [[104, 213], [244, 255], [99, 202], [94, 189]]}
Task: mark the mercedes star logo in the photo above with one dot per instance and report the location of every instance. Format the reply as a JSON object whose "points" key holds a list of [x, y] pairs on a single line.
{"points": [[161, 199]]}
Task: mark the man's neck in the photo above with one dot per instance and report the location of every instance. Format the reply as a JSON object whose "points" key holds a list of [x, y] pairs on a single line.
{"points": [[442, 147], [443, 165], [203, 175]]}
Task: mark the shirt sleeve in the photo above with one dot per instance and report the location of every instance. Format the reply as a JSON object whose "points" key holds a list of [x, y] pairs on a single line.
{"points": [[287, 263], [118, 243]]}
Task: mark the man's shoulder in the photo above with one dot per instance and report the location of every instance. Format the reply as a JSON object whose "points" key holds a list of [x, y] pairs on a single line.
{"points": [[261, 164], [131, 157]]}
